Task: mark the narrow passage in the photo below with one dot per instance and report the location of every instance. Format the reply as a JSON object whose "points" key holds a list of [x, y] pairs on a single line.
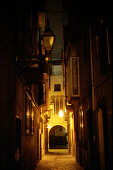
{"points": [[58, 159]]}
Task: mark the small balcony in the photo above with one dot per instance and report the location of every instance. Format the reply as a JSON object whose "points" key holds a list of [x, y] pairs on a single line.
{"points": [[28, 60]]}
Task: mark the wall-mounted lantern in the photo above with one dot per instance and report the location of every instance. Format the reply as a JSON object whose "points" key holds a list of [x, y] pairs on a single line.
{"points": [[48, 39]]}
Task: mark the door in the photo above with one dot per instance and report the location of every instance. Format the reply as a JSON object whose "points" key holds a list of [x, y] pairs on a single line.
{"points": [[101, 139], [18, 143]]}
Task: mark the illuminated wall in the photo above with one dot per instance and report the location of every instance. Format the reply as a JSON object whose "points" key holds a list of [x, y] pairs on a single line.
{"points": [[57, 98]]}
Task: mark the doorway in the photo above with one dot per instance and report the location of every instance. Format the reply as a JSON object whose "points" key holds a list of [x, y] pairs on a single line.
{"points": [[18, 143], [58, 138], [101, 139]]}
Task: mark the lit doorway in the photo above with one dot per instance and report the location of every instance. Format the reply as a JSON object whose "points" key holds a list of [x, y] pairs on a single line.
{"points": [[58, 138]]}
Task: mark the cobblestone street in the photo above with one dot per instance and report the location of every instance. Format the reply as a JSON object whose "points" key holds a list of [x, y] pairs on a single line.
{"points": [[58, 160]]}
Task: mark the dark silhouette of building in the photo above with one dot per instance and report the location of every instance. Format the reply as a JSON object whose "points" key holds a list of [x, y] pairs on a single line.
{"points": [[21, 88], [88, 63], [88, 79]]}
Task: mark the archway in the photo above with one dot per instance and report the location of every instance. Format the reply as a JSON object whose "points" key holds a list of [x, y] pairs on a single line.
{"points": [[58, 138]]}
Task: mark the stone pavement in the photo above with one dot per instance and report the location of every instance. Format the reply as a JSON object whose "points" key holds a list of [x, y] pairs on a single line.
{"points": [[58, 160]]}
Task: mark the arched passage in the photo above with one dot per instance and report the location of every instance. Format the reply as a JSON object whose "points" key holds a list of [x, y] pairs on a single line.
{"points": [[58, 138]]}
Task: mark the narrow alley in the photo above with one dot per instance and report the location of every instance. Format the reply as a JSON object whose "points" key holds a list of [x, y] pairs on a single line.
{"points": [[56, 85], [58, 159]]}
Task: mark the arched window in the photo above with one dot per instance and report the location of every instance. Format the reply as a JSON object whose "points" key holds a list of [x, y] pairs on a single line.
{"points": [[61, 103], [57, 106], [53, 101]]}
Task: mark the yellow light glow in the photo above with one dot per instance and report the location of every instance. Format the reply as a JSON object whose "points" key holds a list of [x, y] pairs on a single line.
{"points": [[27, 114], [81, 125], [82, 113], [49, 126], [61, 113], [51, 106], [68, 104], [51, 41], [46, 59]]}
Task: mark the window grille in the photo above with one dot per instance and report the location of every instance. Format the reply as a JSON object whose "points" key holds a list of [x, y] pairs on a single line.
{"points": [[57, 87]]}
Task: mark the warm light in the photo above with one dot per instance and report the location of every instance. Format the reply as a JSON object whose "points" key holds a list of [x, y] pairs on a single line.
{"points": [[61, 113], [27, 114], [46, 59], [51, 41], [68, 104], [49, 126], [81, 111], [48, 40], [32, 115], [81, 125], [51, 106]]}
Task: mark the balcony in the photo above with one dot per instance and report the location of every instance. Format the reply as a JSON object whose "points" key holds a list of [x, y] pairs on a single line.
{"points": [[29, 62], [30, 68]]}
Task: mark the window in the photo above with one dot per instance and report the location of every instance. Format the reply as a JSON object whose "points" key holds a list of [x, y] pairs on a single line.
{"points": [[29, 116], [75, 76], [57, 87], [58, 103], [61, 103], [81, 123], [31, 123], [103, 38], [26, 115], [57, 69], [53, 101], [57, 106]]}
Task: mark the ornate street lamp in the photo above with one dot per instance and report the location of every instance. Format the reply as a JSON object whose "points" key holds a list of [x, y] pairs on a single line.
{"points": [[48, 39], [48, 42]]}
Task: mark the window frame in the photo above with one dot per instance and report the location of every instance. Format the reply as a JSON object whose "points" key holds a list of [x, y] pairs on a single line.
{"points": [[76, 86], [57, 87], [29, 116]]}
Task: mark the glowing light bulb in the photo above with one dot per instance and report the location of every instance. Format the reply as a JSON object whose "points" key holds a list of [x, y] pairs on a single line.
{"points": [[61, 113], [49, 126]]}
